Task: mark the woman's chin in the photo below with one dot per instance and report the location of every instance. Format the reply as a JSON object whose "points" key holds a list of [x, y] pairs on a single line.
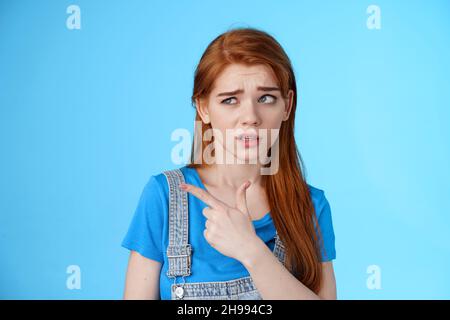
{"points": [[247, 160]]}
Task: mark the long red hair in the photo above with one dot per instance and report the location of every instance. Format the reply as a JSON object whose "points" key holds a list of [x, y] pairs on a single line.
{"points": [[287, 192]]}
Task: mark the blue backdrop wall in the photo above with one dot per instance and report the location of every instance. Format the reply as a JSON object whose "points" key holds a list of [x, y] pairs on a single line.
{"points": [[91, 91]]}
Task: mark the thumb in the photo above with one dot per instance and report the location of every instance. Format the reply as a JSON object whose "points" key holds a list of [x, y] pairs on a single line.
{"points": [[241, 197]]}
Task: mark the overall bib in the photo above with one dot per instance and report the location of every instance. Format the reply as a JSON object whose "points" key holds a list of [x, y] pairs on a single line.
{"points": [[179, 253]]}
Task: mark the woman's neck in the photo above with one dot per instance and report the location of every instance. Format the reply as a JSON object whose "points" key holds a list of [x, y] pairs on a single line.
{"points": [[232, 175]]}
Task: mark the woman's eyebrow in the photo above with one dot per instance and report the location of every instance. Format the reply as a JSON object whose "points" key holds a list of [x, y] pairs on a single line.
{"points": [[241, 91]]}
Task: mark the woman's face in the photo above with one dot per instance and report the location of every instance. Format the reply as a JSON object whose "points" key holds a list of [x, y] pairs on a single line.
{"points": [[245, 110]]}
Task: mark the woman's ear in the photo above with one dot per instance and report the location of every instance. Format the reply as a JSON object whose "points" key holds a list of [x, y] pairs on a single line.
{"points": [[289, 104], [202, 110]]}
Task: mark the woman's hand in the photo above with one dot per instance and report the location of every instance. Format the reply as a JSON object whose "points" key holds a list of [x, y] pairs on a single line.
{"points": [[228, 230]]}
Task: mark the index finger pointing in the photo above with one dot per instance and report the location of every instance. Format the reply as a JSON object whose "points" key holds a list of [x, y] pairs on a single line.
{"points": [[203, 195]]}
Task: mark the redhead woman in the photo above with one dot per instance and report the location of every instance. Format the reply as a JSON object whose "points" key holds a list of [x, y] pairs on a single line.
{"points": [[240, 221]]}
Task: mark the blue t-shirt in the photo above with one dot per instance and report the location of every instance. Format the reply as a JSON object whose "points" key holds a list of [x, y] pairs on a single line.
{"points": [[148, 233]]}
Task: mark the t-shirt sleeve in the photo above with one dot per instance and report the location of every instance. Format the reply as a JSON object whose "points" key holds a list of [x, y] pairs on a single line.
{"points": [[145, 231], [328, 248]]}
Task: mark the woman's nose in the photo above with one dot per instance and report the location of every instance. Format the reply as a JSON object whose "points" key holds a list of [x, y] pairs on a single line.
{"points": [[249, 115]]}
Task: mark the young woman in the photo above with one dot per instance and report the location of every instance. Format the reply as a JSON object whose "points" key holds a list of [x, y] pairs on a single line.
{"points": [[236, 223]]}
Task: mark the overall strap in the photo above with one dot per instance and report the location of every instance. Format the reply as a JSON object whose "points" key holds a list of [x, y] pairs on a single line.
{"points": [[179, 250], [279, 249]]}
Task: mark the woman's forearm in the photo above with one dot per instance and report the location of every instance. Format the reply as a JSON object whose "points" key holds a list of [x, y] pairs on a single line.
{"points": [[271, 278]]}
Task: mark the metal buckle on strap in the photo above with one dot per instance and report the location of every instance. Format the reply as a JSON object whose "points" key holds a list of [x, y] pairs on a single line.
{"points": [[179, 260], [179, 251]]}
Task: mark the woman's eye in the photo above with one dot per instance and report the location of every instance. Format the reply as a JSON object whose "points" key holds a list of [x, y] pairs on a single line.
{"points": [[267, 98], [271, 99], [226, 101]]}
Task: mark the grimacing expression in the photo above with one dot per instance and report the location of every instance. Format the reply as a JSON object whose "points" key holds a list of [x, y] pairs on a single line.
{"points": [[242, 108]]}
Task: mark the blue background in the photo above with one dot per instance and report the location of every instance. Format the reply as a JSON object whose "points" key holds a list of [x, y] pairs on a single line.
{"points": [[86, 117]]}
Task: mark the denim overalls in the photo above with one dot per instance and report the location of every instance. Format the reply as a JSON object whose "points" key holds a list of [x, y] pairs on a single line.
{"points": [[179, 255]]}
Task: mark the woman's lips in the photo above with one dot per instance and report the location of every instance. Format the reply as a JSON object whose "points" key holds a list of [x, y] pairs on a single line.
{"points": [[248, 140]]}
